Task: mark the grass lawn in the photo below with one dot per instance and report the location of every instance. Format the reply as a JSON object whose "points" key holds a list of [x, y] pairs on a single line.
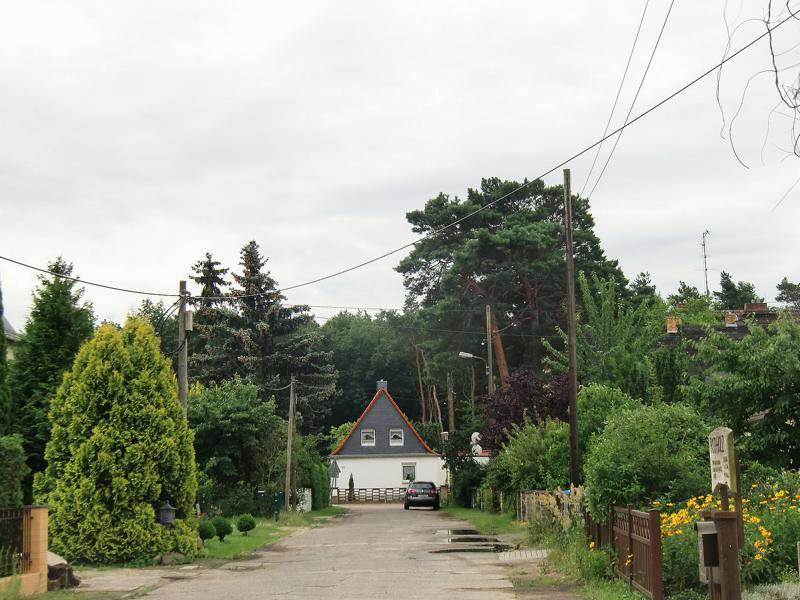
{"points": [[485, 522], [267, 531]]}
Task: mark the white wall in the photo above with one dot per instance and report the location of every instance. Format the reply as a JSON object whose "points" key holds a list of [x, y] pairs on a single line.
{"points": [[387, 471]]}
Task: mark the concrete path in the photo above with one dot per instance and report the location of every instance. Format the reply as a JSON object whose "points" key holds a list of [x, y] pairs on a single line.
{"points": [[375, 551]]}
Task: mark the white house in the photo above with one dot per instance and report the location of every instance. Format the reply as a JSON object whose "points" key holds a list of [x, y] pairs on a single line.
{"points": [[383, 450]]}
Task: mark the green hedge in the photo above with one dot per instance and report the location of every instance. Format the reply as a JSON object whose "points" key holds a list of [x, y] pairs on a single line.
{"points": [[12, 470]]}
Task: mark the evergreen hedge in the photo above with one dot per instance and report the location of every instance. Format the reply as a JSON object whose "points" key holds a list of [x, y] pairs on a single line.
{"points": [[12, 470], [120, 447]]}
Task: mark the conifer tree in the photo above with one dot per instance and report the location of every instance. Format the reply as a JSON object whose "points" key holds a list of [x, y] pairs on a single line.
{"points": [[211, 279], [121, 447], [59, 323], [264, 341], [5, 396]]}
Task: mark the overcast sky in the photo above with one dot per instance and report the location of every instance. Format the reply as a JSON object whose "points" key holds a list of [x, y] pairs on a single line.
{"points": [[135, 136]]}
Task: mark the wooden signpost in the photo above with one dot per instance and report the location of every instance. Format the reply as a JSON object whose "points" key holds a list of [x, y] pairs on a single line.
{"points": [[722, 534]]}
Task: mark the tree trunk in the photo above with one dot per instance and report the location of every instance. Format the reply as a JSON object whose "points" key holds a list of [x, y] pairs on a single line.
{"points": [[438, 411], [472, 389], [451, 409], [417, 352], [499, 354]]}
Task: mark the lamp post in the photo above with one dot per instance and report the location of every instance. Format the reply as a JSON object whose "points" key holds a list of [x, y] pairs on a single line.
{"points": [[469, 356]]}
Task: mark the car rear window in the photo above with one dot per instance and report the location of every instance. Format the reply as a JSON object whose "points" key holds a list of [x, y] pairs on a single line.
{"points": [[422, 485]]}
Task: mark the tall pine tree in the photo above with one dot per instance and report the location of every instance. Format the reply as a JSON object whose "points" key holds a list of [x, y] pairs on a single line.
{"points": [[59, 323]]}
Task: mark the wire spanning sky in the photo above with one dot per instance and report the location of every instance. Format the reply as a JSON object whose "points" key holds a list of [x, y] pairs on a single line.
{"points": [[137, 137]]}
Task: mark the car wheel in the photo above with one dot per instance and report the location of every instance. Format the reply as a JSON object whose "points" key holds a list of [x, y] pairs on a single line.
{"points": [[405, 506]]}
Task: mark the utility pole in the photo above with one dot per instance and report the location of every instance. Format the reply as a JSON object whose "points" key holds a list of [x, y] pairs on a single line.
{"points": [[574, 449], [489, 341], [705, 262], [289, 435], [183, 355]]}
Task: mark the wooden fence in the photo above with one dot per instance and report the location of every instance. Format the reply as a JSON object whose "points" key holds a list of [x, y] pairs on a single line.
{"points": [[635, 539], [342, 495], [15, 541]]}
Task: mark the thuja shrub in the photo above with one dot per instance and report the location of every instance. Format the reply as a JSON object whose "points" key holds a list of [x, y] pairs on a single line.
{"points": [[12, 470], [120, 447]]}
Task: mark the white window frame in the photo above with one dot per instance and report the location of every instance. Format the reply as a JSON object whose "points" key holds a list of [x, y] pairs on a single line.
{"points": [[402, 437], [413, 465], [367, 443]]}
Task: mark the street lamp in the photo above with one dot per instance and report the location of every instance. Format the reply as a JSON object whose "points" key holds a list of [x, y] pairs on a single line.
{"points": [[469, 356]]}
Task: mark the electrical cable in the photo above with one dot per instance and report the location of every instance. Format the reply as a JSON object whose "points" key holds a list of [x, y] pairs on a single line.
{"points": [[628, 123], [616, 98], [635, 98]]}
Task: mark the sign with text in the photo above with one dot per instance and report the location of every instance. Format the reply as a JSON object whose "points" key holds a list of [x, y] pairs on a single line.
{"points": [[723, 458]]}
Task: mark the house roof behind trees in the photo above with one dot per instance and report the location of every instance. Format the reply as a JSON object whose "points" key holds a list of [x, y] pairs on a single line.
{"points": [[10, 332]]}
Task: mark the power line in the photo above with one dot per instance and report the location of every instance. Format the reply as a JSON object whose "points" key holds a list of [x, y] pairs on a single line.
{"points": [[616, 98], [85, 282], [635, 97], [628, 123]]}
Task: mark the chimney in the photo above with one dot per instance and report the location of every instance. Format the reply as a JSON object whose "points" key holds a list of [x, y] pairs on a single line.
{"points": [[382, 384], [672, 323]]}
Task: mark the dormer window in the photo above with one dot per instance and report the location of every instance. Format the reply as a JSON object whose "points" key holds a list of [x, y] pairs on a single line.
{"points": [[395, 437], [367, 437]]}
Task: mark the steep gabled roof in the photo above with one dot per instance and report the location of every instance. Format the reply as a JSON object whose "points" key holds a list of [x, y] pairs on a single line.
{"points": [[385, 392], [9, 331]]}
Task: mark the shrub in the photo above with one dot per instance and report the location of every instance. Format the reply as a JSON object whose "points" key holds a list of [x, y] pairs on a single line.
{"points": [[222, 526], [12, 470], [538, 456], [647, 453], [206, 530], [351, 489], [596, 403], [120, 448], [245, 523], [320, 487]]}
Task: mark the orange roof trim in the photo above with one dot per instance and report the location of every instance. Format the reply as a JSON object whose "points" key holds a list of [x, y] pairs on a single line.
{"points": [[369, 408]]}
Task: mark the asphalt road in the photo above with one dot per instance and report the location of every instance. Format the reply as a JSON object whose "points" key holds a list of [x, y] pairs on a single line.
{"points": [[375, 551]]}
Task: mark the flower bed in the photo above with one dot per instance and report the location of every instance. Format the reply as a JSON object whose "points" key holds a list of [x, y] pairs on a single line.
{"points": [[771, 515]]}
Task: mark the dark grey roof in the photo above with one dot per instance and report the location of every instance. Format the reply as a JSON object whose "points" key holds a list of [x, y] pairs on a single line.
{"points": [[382, 414], [11, 333]]}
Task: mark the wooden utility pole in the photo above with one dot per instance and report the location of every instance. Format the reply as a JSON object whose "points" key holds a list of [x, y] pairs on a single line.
{"points": [[289, 435], [183, 355], [489, 341], [574, 449]]}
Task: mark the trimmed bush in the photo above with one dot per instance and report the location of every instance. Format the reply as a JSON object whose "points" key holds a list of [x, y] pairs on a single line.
{"points": [[222, 526], [245, 523], [206, 530], [320, 487], [12, 470], [120, 448], [648, 453]]}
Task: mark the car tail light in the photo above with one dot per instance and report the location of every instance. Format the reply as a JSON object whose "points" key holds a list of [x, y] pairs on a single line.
{"points": [[411, 492]]}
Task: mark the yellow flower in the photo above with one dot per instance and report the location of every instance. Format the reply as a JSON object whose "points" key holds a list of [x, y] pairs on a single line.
{"points": [[754, 486], [758, 557]]}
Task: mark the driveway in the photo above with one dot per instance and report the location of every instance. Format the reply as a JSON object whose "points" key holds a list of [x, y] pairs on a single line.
{"points": [[374, 551]]}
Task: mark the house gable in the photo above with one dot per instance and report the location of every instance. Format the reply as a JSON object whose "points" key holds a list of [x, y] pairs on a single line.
{"points": [[381, 416]]}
